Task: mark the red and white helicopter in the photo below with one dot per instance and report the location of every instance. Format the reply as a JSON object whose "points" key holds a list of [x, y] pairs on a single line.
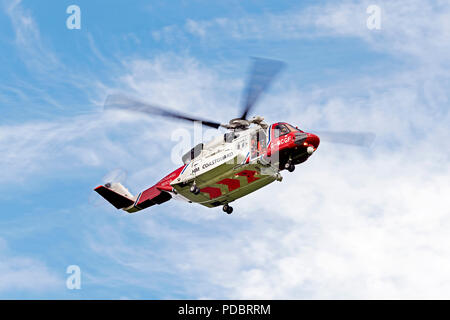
{"points": [[248, 157]]}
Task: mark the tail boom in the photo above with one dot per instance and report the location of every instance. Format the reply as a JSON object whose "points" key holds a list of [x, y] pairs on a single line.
{"points": [[121, 198]]}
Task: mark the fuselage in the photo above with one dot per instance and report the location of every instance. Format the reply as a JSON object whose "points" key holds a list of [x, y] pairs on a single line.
{"points": [[238, 163]]}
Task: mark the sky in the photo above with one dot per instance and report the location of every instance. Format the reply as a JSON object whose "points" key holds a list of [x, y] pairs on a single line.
{"points": [[365, 223]]}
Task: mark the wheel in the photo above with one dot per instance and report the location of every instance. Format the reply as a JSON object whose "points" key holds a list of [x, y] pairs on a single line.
{"points": [[291, 168], [287, 165], [194, 189], [228, 209]]}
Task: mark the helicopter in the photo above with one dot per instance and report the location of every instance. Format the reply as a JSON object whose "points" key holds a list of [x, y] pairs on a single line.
{"points": [[249, 156]]}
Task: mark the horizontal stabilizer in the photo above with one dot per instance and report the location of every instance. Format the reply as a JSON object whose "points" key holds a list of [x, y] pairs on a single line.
{"points": [[116, 194], [121, 198]]}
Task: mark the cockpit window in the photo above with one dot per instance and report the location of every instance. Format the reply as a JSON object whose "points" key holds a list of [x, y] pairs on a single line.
{"points": [[291, 128], [280, 130]]}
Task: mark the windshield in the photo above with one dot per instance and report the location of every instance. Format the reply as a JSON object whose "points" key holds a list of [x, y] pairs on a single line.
{"points": [[281, 129], [291, 127]]}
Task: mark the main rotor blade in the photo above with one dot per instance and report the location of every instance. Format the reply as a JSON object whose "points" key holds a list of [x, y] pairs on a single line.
{"points": [[363, 139], [261, 75], [118, 101]]}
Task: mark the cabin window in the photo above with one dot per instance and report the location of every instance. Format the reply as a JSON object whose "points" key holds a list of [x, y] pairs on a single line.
{"points": [[229, 136], [192, 154], [242, 144], [258, 144]]}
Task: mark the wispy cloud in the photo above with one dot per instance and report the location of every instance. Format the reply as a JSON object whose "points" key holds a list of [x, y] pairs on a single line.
{"points": [[23, 274], [34, 52], [49, 85], [349, 223], [402, 24], [105, 138]]}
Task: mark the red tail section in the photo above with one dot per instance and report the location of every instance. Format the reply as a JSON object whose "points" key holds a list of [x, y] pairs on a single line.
{"points": [[121, 198]]}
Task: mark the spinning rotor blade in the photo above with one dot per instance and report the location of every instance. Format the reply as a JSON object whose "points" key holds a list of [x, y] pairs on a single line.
{"points": [[117, 101], [116, 175], [261, 75], [363, 139]]}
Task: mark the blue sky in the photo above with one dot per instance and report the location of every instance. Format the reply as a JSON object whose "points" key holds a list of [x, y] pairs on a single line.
{"points": [[350, 222]]}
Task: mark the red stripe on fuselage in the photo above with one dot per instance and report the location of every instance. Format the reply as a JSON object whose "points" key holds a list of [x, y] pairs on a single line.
{"points": [[232, 184], [212, 191], [250, 174]]}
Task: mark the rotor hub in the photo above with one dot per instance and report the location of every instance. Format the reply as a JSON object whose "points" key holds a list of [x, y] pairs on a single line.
{"points": [[239, 123]]}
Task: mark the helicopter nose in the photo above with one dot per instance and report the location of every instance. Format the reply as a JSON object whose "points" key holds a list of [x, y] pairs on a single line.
{"points": [[313, 142]]}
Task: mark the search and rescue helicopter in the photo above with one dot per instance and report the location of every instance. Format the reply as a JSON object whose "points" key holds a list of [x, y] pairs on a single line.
{"points": [[246, 158]]}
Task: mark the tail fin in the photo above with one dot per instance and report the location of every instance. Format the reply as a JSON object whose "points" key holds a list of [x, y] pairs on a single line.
{"points": [[121, 198], [116, 194]]}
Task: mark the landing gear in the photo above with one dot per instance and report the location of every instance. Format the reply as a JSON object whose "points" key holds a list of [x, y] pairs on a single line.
{"points": [[289, 166], [228, 209], [194, 189]]}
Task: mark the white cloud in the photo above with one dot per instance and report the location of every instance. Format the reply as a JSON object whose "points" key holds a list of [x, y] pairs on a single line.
{"points": [[34, 52], [115, 139], [349, 223], [339, 227], [19, 273], [402, 24], [346, 224], [181, 82], [48, 148]]}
